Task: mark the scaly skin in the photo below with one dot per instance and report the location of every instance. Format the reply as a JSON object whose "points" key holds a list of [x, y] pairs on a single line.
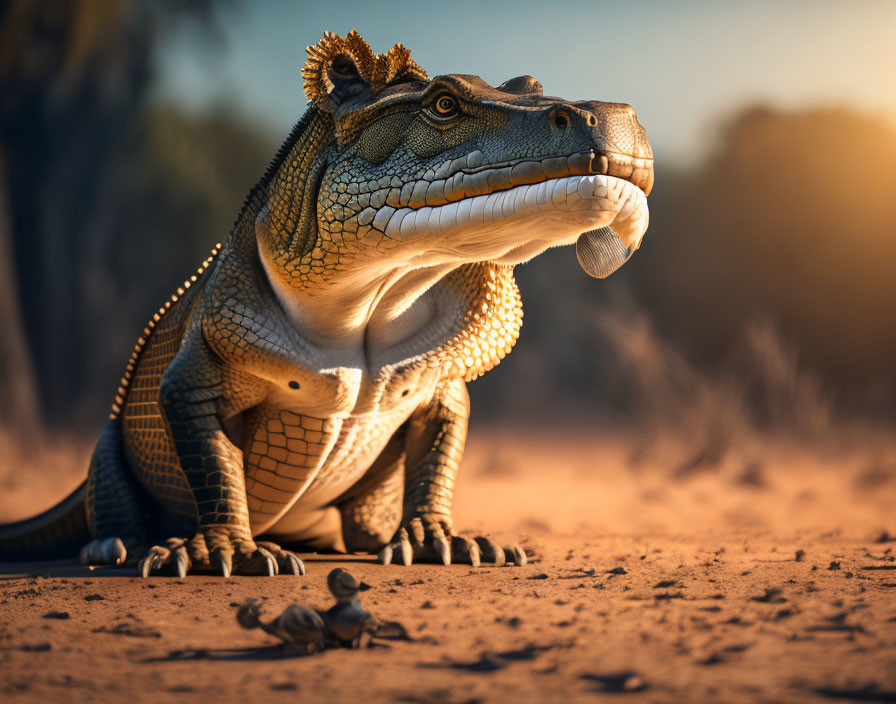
{"points": [[308, 384]]}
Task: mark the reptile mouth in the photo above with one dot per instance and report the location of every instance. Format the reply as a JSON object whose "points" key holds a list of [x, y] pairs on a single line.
{"points": [[470, 176], [600, 251], [563, 199]]}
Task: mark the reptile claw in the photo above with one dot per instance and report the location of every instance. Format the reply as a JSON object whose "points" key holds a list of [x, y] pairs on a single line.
{"points": [[443, 550], [296, 565], [145, 566], [117, 553], [385, 556], [463, 548], [104, 551], [181, 561], [407, 553], [474, 555], [223, 566], [490, 552], [516, 555], [271, 565]]}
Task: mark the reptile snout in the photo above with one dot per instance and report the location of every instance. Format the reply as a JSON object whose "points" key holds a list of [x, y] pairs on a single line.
{"points": [[620, 142]]}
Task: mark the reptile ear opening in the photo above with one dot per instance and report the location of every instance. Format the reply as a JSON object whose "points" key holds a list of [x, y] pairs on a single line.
{"points": [[345, 79], [340, 69]]}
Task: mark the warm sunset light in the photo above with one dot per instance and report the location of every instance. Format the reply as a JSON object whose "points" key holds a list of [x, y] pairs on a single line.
{"points": [[447, 352]]}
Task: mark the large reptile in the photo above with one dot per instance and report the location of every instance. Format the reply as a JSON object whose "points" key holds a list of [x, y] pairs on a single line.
{"points": [[307, 385]]}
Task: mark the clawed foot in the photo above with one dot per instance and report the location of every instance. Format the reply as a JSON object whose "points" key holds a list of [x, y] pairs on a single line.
{"points": [[105, 551], [432, 539], [219, 550]]}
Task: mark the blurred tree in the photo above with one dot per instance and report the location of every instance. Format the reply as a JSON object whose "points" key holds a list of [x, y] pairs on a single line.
{"points": [[19, 411], [792, 219], [97, 186]]}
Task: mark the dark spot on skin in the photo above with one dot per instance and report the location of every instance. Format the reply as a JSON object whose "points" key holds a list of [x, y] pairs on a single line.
{"points": [[293, 384], [405, 392]]}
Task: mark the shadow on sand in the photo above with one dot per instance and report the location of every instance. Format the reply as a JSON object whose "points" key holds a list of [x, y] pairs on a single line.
{"points": [[71, 568]]}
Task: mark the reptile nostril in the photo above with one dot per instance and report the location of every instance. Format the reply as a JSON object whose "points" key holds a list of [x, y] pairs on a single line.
{"points": [[592, 120], [560, 119]]}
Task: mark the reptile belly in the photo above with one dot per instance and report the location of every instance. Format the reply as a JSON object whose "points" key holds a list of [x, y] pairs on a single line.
{"points": [[300, 463]]}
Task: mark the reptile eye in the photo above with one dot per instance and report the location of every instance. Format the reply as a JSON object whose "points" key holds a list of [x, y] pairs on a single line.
{"points": [[444, 105]]}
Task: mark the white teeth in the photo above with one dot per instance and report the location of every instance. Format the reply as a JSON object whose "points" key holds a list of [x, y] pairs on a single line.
{"points": [[632, 219], [554, 211], [448, 215], [463, 209], [477, 210], [393, 229], [530, 197], [383, 216], [558, 195], [408, 228], [493, 205], [421, 220], [586, 187], [509, 206]]}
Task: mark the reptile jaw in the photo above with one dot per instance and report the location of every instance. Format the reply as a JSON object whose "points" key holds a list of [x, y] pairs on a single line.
{"points": [[513, 225]]}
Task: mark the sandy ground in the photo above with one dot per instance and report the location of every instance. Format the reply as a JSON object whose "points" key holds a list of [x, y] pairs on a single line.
{"points": [[764, 581]]}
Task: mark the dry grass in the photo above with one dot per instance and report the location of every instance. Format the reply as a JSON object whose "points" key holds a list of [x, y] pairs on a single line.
{"points": [[703, 419]]}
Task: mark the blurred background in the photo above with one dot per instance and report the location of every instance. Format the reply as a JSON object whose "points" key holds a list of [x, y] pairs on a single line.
{"points": [[762, 301]]}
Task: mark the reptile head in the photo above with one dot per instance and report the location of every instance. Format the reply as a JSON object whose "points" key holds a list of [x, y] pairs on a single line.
{"points": [[425, 172]]}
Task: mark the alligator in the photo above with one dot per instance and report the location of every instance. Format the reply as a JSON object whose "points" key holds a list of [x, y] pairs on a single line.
{"points": [[306, 387]]}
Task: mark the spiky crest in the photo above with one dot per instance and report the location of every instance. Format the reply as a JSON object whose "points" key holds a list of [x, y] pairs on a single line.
{"points": [[378, 70]]}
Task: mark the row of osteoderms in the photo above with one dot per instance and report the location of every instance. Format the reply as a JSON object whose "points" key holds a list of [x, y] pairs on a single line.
{"points": [[131, 366]]}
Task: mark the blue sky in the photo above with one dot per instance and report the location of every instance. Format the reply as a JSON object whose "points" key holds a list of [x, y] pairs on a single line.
{"points": [[685, 66]]}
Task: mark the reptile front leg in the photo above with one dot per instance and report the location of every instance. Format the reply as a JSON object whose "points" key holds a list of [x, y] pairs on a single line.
{"points": [[435, 442], [191, 397]]}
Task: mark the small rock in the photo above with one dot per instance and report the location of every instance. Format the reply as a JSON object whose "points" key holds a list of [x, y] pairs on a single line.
{"points": [[59, 615], [617, 682], [284, 686], [36, 647], [712, 659], [772, 596]]}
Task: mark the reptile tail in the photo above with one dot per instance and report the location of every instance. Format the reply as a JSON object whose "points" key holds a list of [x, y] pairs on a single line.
{"points": [[59, 532]]}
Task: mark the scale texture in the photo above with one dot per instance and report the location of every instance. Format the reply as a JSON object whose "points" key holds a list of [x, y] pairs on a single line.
{"points": [[306, 386]]}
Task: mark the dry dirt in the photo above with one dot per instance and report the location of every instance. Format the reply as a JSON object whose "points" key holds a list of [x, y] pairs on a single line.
{"points": [[765, 581]]}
